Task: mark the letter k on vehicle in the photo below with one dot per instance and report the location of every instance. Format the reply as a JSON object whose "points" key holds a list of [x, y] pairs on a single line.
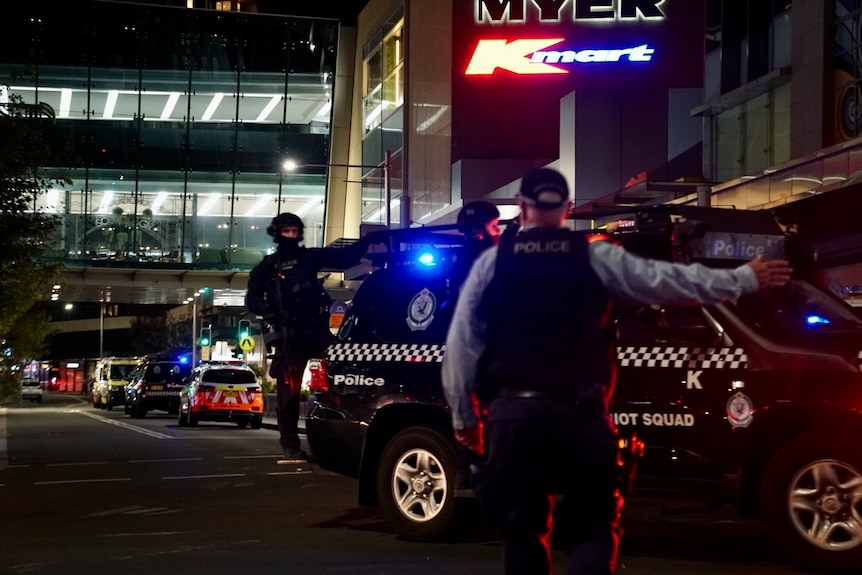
{"points": [[512, 56]]}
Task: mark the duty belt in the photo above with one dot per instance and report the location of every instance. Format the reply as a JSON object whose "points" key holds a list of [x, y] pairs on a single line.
{"points": [[543, 395]]}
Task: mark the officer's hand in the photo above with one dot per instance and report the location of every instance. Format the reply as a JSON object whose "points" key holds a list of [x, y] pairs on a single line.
{"points": [[471, 438], [772, 273]]}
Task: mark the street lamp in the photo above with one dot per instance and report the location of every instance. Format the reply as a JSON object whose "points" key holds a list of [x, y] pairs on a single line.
{"points": [[386, 166], [194, 301]]}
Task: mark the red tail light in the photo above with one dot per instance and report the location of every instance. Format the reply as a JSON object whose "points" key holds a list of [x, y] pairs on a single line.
{"points": [[317, 369]]}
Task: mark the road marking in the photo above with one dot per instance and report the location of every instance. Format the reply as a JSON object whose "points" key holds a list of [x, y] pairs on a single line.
{"points": [[77, 463], [134, 428], [289, 473], [275, 456], [205, 476], [168, 460], [106, 480]]}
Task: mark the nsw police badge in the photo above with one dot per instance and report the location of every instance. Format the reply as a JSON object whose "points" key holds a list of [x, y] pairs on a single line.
{"points": [[420, 310]]}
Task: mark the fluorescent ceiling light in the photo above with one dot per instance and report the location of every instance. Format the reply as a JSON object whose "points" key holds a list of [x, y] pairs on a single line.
{"points": [[107, 197], [213, 106], [65, 103], [376, 216], [160, 199], [110, 104], [51, 200], [323, 114], [307, 207], [264, 199], [214, 197], [273, 102], [173, 98]]}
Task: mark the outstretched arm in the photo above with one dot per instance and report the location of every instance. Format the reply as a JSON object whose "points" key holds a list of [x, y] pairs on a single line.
{"points": [[655, 281]]}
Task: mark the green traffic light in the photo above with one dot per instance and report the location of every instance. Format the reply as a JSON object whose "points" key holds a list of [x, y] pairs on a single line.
{"points": [[244, 328]]}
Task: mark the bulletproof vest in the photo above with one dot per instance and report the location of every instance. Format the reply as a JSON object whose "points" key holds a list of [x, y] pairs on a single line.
{"points": [[547, 315], [302, 295]]}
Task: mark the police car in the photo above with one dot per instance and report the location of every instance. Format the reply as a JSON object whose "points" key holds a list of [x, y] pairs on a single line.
{"points": [[156, 384], [757, 402], [226, 391]]}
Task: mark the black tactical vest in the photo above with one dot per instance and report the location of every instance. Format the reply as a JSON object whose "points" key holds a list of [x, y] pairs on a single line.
{"points": [[303, 298], [548, 317]]}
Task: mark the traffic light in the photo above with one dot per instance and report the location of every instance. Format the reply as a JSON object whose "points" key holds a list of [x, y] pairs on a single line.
{"points": [[206, 337], [244, 329]]}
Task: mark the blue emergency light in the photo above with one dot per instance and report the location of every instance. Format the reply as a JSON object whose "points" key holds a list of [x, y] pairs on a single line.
{"points": [[816, 320], [427, 259]]}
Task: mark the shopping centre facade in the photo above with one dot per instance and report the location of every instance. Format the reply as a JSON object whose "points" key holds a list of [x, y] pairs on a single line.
{"points": [[181, 120]]}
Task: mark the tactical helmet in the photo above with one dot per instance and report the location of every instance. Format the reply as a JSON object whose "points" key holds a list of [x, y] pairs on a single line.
{"points": [[475, 215], [285, 220]]}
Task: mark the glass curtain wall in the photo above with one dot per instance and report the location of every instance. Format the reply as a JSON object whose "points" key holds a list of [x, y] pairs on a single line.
{"points": [[173, 125], [383, 120]]}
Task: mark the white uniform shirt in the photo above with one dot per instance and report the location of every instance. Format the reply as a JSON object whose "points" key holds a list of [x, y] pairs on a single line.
{"points": [[624, 275]]}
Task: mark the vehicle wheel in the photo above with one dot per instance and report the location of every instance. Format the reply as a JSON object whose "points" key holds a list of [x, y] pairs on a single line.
{"points": [[182, 418], [257, 422], [39, 399], [193, 418], [138, 412], [415, 487], [109, 406], [812, 502], [242, 423], [127, 409]]}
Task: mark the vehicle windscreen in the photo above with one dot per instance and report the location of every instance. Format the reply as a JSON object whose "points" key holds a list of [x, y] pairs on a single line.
{"points": [[122, 371], [163, 372], [229, 376], [797, 308]]}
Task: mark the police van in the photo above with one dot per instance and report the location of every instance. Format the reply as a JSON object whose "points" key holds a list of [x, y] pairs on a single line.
{"points": [[756, 402]]}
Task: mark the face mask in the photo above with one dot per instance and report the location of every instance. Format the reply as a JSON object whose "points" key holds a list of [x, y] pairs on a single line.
{"points": [[289, 244]]}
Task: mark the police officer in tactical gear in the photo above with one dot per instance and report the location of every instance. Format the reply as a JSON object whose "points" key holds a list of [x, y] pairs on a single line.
{"points": [[479, 221], [285, 290], [532, 326]]}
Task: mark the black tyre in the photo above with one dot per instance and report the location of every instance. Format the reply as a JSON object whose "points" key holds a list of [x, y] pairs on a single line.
{"points": [[256, 421], [109, 406], [193, 418], [416, 487], [242, 423], [182, 418], [812, 502], [138, 412]]}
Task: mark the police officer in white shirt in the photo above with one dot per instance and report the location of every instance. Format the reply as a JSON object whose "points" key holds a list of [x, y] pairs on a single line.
{"points": [[531, 330]]}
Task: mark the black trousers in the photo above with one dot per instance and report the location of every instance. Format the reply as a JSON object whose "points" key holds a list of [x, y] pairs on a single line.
{"points": [[541, 452], [287, 372]]}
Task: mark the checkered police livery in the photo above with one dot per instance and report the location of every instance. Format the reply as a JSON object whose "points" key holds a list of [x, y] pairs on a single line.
{"points": [[682, 357], [386, 352]]}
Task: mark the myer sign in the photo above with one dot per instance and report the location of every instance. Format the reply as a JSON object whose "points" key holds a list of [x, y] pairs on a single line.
{"points": [[514, 11], [556, 55]]}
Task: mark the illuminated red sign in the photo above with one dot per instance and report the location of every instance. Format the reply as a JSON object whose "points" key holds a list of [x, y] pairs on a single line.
{"points": [[529, 56]]}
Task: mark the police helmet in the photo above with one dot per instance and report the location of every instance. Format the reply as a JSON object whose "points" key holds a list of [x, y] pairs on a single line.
{"points": [[285, 220], [475, 215]]}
